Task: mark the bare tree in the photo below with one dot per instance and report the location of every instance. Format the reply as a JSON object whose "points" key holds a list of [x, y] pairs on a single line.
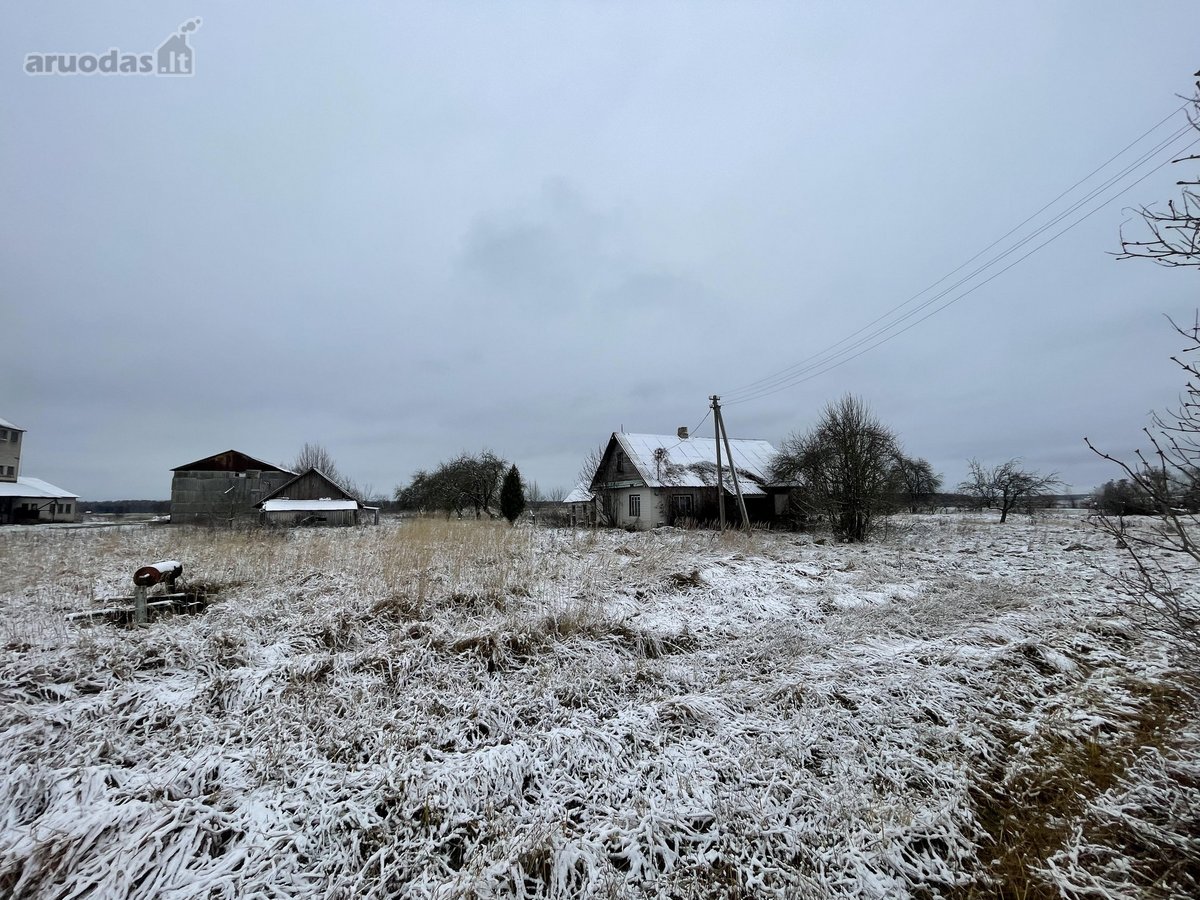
{"points": [[589, 468], [1165, 556], [917, 480], [314, 456], [1165, 552], [845, 468], [533, 493], [590, 465], [1173, 237], [1004, 486]]}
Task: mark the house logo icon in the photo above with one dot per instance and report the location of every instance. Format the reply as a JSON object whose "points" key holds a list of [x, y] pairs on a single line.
{"points": [[174, 56]]}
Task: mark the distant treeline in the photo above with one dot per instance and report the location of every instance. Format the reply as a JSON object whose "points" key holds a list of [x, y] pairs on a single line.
{"points": [[157, 507]]}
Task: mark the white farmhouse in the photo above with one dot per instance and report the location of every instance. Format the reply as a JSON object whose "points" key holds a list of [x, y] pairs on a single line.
{"points": [[648, 480], [26, 499]]}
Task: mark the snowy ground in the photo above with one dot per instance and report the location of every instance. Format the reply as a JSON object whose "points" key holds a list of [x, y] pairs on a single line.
{"points": [[441, 709]]}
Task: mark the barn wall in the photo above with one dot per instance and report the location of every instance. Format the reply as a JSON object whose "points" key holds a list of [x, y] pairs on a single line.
{"points": [[291, 517], [209, 498]]}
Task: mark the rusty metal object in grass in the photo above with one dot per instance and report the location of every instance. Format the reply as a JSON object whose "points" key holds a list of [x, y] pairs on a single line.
{"points": [[144, 606], [164, 571]]}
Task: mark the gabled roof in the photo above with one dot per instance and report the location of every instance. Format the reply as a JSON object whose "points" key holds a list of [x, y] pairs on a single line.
{"points": [[337, 492], [4, 423], [580, 495], [230, 461], [25, 486], [664, 460]]}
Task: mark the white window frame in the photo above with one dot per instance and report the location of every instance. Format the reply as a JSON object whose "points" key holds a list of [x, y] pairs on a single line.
{"points": [[635, 506]]}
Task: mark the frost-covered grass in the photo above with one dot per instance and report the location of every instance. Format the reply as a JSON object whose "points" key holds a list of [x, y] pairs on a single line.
{"points": [[448, 709]]}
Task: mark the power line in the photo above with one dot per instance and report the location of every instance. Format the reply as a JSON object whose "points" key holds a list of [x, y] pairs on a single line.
{"points": [[807, 363], [690, 433], [767, 391], [815, 361], [833, 364]]}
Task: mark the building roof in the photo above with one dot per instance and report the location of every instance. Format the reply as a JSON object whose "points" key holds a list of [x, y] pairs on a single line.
{"points": [[664, 460], [230, 461], [286, 505], [335, 488], [580, 495], [4, 423], [25, 486]]}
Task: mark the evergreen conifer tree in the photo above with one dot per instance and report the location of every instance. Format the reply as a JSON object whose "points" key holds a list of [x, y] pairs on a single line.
{"points": [[512, 495]]}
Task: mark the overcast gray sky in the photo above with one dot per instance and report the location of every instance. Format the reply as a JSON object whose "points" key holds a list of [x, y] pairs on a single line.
{"points": [[403, 230]]}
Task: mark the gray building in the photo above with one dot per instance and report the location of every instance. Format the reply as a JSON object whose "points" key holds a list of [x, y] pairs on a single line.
{"points": [[224, 488]]}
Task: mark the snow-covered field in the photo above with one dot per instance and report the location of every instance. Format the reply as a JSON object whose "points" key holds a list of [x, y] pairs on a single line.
{"points": [[446, 709]]}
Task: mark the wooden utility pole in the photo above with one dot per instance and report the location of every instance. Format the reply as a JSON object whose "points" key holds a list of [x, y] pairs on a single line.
{"points": [[716, 408], [737, 487]]}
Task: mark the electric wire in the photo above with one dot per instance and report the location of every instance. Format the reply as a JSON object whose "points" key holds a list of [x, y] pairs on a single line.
{"points": [[751, 389], [818, 359], [834, 363]]}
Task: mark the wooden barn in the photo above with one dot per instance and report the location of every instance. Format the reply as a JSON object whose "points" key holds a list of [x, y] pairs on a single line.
{"points": [[313, 498]]}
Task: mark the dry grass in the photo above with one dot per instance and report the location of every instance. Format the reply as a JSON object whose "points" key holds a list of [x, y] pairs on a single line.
{"points": [[458, 709]]}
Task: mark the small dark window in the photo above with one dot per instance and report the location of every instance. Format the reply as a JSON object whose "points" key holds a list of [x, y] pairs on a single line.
{"points": [[622, 462], [635, 506]]}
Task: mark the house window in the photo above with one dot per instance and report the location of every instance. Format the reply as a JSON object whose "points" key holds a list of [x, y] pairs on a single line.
{"points": [[622, 462], [3, 435], [635, 506], [682, 504]]}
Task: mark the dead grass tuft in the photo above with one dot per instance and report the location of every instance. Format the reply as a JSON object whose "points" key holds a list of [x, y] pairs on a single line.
{"points": [[1030, 811], [682, 581]]}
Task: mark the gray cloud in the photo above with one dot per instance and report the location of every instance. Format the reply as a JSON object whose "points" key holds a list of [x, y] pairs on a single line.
{"points": [[409, 231]]}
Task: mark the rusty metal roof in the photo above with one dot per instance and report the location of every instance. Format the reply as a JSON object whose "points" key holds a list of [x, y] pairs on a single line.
{"points": [[230, 461]]}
